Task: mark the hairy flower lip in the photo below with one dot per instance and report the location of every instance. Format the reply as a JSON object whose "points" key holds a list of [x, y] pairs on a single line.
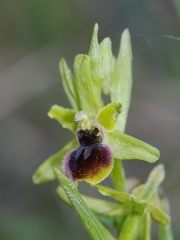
{"points": [[92, 161]]}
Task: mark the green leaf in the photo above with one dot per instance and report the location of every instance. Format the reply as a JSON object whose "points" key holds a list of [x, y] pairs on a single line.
{"points": [[69, 84], [108, 116], [127, 147], [122, 79], [45, 172], [118, 175], [105, 211], [64, 116], [91, 224], [99, 206], [89, 94]]}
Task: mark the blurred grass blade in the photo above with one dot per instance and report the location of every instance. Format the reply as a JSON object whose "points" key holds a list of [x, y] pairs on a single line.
{"points": [[69, 84], [64, 116], [122, 78], [45, 172], [96, 205], [127, 147], [92, 225], [108, 116]]}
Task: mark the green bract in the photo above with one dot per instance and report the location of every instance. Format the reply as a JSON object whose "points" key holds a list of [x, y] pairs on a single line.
{"points": [[100, 145]]}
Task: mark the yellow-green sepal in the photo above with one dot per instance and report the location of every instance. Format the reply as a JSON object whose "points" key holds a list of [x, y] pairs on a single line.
{"points": [[107, 62], [101, 62], [89, 95], [127, 147], [69, 84], [122, 78]]}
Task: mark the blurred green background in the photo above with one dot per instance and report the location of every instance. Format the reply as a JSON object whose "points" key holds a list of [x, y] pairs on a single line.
{"points": [[34, 35]]}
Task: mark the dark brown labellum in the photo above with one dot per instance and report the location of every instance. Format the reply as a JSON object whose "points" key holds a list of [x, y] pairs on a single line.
{"points": [[90, 158]]}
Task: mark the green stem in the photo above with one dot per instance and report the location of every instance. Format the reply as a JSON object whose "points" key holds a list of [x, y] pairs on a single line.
{"points": [[118, 175]]}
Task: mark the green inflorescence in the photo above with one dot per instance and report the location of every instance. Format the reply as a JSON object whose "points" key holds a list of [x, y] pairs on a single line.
{"points": [[135, 207]]}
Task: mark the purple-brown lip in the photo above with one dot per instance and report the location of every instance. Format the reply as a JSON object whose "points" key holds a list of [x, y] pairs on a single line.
{"points": [[90, 158]]}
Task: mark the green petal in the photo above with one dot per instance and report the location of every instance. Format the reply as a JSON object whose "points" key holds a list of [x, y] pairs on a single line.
{"points": [[108, 116], [127, 147], [96, 205], [64, 116], [69, 84], [89, 94], [122, 78], [91, 224], [45, 172]]}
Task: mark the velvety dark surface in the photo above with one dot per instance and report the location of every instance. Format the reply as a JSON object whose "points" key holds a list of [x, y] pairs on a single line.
{"points": [[89, 158]]}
